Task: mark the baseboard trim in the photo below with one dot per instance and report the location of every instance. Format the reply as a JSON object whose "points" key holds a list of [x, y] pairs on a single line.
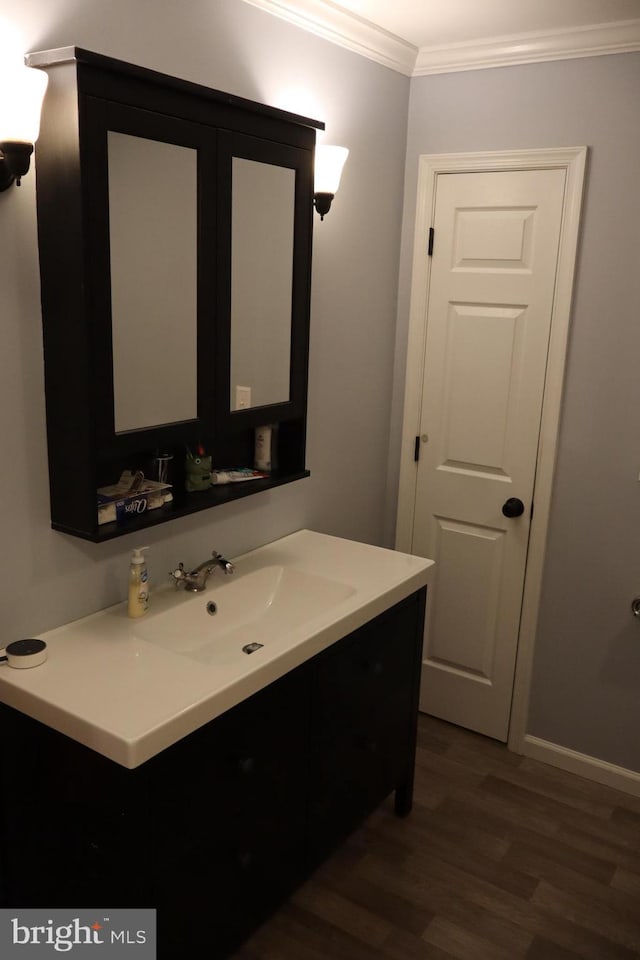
{"points": [[591, 768]]}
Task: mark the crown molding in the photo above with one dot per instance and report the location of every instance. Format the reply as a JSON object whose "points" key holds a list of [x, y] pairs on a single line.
{"points": [[347, 30], [333, 23], [533, 47]]}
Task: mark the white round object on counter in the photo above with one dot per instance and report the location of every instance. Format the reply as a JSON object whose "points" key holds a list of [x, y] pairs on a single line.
{"points": [[25, 653]]}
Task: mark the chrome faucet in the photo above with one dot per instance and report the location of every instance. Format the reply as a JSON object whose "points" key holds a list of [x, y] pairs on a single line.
{"points": [[197, 579]]}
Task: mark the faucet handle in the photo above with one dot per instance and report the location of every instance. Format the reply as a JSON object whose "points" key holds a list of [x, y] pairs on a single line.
{"points": [[224, 564], [178, 574]]}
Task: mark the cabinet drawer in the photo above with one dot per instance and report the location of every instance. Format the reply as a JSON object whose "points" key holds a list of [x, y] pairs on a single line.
{"points": [[370, 674], [252, 758], [228, 860], [360, 751], [227, 885]]}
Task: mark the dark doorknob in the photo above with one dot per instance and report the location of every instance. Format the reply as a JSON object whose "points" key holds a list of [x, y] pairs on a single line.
{"points": [[513, 507]]}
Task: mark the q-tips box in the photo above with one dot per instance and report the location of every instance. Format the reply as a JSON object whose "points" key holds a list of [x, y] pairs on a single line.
{"points": [[131, 496]]}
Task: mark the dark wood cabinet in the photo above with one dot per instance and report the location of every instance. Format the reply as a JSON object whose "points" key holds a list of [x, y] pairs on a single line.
{"points": [[228, 821], [94, 105], [362, 736]]}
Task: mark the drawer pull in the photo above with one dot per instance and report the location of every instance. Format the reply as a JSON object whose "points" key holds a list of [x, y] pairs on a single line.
{"points": [[374, 667], [246, 766], [245, 859]]}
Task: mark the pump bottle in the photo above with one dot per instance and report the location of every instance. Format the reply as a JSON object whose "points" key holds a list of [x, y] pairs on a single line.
{"points": [[138, 584]]}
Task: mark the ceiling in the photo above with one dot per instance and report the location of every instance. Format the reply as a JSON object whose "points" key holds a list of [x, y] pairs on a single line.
{"points": [[418, 37], [427, 23]]}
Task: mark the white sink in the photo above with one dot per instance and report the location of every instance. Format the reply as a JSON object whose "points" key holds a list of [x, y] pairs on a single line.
{"points": [[261, 607], [130, 688]]}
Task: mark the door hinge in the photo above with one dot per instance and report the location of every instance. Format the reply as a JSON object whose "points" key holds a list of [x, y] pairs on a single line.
{"points": [[430, 247], [416, 450]]}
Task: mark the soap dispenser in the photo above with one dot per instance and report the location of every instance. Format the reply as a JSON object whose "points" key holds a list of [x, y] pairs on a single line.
{"points": [[138, 584]]}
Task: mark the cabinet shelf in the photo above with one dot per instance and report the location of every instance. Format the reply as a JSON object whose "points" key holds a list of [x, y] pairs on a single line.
{"points": [[185, 504]]}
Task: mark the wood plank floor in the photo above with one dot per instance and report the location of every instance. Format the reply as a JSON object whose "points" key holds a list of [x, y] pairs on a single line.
{"points": [[502, 858]]}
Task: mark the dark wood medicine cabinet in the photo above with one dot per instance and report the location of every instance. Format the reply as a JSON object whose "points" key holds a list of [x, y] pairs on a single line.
{"points": [[175, 230]]}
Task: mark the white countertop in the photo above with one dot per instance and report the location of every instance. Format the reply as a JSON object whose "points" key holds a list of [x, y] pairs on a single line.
{"points": [[128, 698]]}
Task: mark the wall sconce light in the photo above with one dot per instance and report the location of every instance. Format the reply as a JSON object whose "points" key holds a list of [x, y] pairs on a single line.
{"points": [[20, 104], [328, 170]]}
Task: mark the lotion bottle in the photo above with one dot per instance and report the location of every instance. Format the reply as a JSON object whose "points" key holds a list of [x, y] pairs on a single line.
{"points": [[138, 584], [264, 448]]}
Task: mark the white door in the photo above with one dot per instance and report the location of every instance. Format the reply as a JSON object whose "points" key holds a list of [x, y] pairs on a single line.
{"points": [[489, 311]]}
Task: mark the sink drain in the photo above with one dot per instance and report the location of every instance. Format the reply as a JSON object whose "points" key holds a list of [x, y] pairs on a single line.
{"points": [[212, 607]]}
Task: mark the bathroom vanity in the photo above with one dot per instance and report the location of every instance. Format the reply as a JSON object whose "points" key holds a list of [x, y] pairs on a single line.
{"points": [[213, 793]]}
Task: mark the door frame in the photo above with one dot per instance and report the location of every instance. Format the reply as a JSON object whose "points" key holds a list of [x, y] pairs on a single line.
{"points": [[573, 161]]}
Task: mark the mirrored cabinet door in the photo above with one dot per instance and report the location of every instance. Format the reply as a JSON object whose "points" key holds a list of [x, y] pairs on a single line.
{"points": [[155, 291], [264, 288], [153, 255], [262, 224]]}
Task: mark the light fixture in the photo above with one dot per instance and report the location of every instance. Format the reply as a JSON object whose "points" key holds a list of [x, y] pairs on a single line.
{"points": [[329, 163], [20, 103]]}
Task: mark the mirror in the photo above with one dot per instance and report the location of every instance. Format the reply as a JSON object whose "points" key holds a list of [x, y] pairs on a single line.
{"points": [[153, 235], [262, 222]]}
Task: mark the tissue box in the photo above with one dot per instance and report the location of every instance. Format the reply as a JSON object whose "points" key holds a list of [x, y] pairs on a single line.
{"points": [[117, 503]]}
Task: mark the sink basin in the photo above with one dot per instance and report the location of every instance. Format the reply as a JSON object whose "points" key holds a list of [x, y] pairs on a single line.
{"points": [[131, 688], [260, 607]]}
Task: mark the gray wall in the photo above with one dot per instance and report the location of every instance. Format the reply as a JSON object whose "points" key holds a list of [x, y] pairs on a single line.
{"points": [[48, 578], [586, 684]]}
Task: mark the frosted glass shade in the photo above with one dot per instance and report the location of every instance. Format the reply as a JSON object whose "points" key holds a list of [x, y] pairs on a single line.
{"points": [[328, 168], [20, 104]]}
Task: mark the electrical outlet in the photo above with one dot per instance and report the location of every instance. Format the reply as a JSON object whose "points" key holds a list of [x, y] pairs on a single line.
{"points": [[243, 398]]}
